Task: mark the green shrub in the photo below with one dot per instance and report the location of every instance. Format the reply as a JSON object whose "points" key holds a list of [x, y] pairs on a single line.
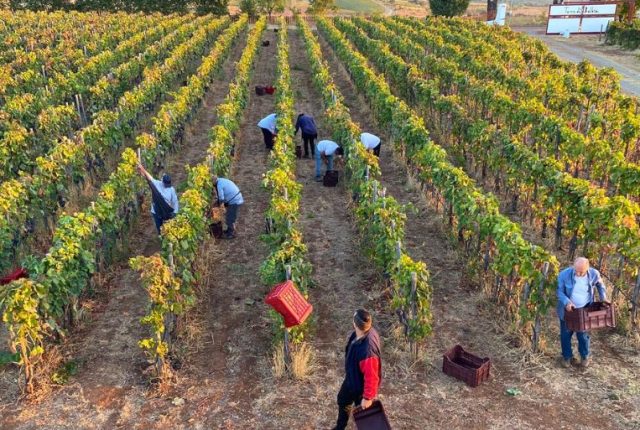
{"points": [[448, 7]]}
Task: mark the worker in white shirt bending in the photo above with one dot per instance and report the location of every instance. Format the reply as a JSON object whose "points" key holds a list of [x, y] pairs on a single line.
{"points": [[269, 130], [165, 200], [325, 152], [371, 142], [228, 194]]}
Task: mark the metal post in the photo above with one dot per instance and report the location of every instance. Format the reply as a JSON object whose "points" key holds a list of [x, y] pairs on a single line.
{"points": [[398, 250]]}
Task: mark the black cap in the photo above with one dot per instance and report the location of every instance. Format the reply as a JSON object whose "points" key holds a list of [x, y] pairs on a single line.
{"points": [[166, 179]]}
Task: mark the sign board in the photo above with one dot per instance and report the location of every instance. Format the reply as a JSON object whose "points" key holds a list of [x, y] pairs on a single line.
{"points": [[581, 18]]}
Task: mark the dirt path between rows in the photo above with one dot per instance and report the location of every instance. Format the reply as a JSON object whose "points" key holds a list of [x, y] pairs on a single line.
{"points": [[426, 398], [109, 386], [226, 380]]}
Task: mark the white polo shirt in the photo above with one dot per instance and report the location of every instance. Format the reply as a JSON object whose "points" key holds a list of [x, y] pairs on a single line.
{"points": [[327, 147], [370, 141], [580, 294], [268, 122]]}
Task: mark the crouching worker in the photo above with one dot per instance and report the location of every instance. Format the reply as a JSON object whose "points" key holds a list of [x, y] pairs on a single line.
{"points": [[269, 130], [229, 195], [371, 142], [325, 152], [165, 200], [363, 368]]}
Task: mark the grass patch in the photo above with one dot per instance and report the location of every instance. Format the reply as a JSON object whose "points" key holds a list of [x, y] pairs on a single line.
{"points": [[366, 6]]}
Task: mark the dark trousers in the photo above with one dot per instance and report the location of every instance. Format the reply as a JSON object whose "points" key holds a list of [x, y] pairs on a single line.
{"points": [[308, 143], [158, 221], [376, 150], [346, 399], [268, 138], [231, 217]]}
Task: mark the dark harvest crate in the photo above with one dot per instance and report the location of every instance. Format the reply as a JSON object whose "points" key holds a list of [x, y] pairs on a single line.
{"points": [[465, 366], [372, 418], [596, 315]]}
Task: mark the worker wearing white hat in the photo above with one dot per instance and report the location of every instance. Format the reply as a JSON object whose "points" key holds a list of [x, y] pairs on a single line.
{"points": [[371, 142]]}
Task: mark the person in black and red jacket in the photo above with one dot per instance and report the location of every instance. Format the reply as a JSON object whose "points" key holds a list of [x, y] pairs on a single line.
{"points": [[363, 368]]}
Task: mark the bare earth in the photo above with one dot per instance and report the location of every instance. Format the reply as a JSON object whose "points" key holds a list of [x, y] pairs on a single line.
{"points": [[225, 381]]}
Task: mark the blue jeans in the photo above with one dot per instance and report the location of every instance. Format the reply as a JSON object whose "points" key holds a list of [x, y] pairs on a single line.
{"points": [[231, 217], [319, 163], [565, 342]]}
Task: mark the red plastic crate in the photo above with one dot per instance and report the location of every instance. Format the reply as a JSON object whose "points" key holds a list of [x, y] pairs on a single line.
{"points": [[288, 302], [465, 366], [18, 273], [596, 315]]}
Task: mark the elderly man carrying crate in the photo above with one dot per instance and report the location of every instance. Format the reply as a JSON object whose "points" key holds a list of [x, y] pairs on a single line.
{"points": [[576, 289]]}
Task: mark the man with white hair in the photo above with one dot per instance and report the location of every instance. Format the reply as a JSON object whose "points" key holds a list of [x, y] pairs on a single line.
{"points": [[576, 289]]}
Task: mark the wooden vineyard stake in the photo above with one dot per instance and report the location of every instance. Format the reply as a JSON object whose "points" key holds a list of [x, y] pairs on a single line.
{"points": [[635, 296], [537, 326], [287, 349], [413, 346]]}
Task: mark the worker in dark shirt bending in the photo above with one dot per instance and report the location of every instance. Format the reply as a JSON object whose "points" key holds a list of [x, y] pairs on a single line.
{"points": [[309, 132]]}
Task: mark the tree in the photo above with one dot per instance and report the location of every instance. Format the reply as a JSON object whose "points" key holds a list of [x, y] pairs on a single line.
{"points": [[249, 7], [448, 7], [270, 6], [215, 7], [320, 6]]}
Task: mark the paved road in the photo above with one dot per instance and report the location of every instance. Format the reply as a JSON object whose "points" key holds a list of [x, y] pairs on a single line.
{"points": [[577, 48]]}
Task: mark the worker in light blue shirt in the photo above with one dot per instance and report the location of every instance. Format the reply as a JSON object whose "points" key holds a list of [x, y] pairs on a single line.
{"points": [[167, 192], [228, 194], [576, 289]]}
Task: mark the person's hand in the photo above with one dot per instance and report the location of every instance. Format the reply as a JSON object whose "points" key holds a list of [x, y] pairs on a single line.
{"points": [[569, 307], [606, 302], [364, 404]]}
